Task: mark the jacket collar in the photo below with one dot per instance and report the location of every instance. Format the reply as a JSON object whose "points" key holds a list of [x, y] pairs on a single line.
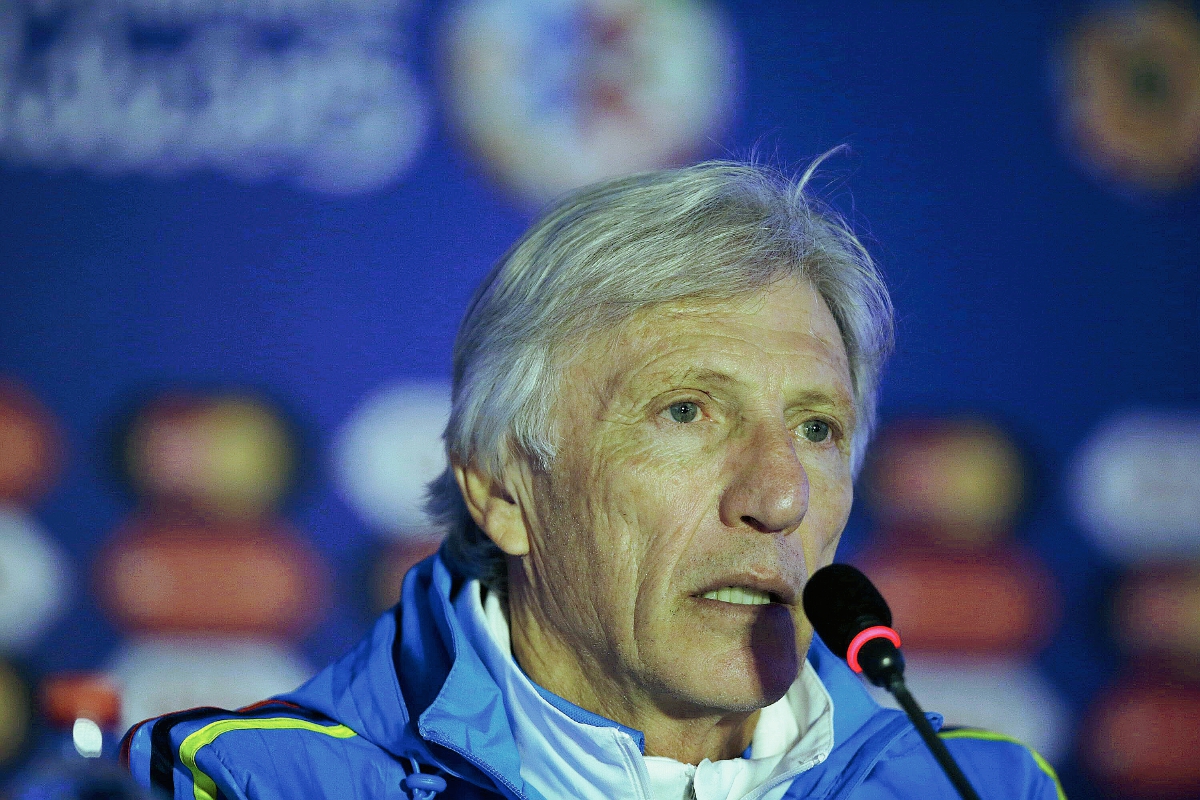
{"points": [[415, 687], [853, 705], [412, 669]]}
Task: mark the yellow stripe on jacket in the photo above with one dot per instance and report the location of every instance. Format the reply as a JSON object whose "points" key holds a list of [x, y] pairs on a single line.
{"points": [[992, 736], [204, 788]]}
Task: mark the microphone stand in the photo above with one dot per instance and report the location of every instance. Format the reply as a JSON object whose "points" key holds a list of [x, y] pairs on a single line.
{"points": [[885, 667], [852, 617]]}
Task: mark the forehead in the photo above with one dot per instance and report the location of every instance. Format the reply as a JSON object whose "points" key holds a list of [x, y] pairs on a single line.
{"points": [[782, 337]]}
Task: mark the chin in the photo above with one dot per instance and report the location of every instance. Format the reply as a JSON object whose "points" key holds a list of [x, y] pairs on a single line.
{"points": [[747, 680], [737, 668], [775, 655], [774, 674], [750, 690]]}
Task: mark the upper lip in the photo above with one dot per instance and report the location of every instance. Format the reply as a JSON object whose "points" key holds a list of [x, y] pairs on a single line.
{"points": [[768, 582]]}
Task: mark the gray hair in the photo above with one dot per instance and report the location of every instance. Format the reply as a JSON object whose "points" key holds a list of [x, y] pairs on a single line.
{"points": [[708, 232]]}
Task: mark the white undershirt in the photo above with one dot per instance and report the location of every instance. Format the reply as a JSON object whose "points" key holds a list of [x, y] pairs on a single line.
{"points": [[561, 757]]}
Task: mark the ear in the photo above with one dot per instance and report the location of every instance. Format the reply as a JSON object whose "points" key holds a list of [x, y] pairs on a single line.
{"points": [[495, 509]]}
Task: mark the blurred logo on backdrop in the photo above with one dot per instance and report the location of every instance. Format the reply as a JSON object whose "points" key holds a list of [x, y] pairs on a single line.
{"points": [[1156, 615], [556, 95], [1141, 738], [947, 495], [224, 456], [1135, 485], [1128, 80], [163, 674], [1135, 489], [34, 573], [959, 483], [205, 551], [205, 576], [35, 579], [31, 444], [243, 579], [972, 602], [310, 90], [16, 715], [388, 450], [384, 456]]}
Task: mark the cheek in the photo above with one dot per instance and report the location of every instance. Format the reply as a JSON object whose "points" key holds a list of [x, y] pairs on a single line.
{"points": [[831, 497], [591, 532], [642, 503]]}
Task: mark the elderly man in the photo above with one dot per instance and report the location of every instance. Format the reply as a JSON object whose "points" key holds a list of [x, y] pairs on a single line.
{"points": [[661, 396]]}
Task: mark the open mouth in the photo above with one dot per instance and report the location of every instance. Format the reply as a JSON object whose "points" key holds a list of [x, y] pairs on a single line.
{"points": [[741, 596]]}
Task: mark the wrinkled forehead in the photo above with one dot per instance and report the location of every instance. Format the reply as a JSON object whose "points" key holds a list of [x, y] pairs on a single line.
{"points": [[608, 322], [605, 351]]}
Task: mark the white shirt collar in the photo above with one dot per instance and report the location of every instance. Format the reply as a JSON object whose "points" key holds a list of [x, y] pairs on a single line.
{"points": [[564, 758]]}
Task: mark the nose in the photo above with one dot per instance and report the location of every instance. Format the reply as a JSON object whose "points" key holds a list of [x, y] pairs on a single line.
{"points": [[768, 486]]}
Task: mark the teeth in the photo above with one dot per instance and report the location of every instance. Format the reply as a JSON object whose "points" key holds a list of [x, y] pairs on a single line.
{"points": [[739, 596]]}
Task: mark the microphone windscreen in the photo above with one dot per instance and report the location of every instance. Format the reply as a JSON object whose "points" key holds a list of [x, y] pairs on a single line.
{"points": [[841, 603]]}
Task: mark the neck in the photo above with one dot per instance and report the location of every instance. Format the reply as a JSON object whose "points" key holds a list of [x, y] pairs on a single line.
{"points": [[716, 740]]}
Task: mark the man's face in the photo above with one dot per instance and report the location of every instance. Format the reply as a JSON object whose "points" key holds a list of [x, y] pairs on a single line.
{"points": [[702, 474]]}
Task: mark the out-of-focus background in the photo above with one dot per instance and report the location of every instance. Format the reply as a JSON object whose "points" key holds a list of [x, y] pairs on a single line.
{"points": [[236, 239]]}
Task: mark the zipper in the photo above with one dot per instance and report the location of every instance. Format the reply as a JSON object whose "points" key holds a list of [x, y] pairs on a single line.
{"points": [[764, 789]]}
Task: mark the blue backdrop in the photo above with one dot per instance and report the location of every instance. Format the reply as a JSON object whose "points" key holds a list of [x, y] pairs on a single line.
{"points": [[1025, 287]]}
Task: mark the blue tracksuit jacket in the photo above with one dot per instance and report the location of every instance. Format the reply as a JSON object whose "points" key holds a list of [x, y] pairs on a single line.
{"points": [[414, 696]]}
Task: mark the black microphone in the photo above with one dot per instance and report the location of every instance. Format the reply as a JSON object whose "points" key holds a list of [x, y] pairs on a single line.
{"points": [[854, 621]]}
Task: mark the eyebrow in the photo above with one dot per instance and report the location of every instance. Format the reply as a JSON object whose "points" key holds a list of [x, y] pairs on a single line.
{"points": [[809, 397], [700, 375]]}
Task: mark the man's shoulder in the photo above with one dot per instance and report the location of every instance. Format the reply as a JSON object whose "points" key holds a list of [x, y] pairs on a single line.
{"points": [[267, 750], [998, 766], [997, 757]]}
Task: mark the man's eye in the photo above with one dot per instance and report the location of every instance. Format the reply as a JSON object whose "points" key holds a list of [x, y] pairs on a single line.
{"points": [[816, 431], [685, 411]]}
